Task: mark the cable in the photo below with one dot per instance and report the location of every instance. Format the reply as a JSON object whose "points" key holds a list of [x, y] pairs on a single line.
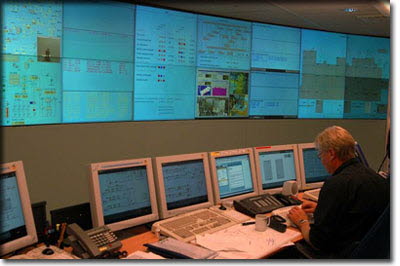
{"points": [[384, 159]]}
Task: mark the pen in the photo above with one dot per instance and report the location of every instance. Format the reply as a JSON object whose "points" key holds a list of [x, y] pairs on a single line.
{"points": [[248, 223]]}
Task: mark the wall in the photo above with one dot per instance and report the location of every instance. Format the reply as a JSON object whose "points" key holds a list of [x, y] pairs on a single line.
{"points": [[57, 157]]}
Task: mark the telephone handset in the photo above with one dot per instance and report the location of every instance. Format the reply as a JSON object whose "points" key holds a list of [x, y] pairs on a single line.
{"points": [[92, 243]]}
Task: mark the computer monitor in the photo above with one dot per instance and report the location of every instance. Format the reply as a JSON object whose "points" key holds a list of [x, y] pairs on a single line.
{"points": [[183, 183], [233, 174], [17, 226], [122, 193], [360, 154], [275, 165], [312, 171]]}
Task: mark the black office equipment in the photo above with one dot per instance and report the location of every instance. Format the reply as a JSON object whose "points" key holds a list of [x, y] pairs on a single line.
{"points": [[39, 216], [93, 243], [276, 222], [79, 214], [257, 205], [263, 203]]}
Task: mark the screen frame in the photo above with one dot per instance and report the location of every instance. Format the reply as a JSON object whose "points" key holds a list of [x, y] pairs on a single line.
{"points": [[31, 238], [305, 185], [266, 149], [160, 185], [227, 153], [96, 206]]}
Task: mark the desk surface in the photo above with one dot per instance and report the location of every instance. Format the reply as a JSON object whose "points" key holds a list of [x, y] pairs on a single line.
{"points": [[136, 242]]}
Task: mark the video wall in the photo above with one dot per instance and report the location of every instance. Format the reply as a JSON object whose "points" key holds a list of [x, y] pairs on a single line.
{"points": [[101, 61]]}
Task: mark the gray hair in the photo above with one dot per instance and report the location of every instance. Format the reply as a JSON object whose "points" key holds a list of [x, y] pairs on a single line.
{"points": [[338, 139]]}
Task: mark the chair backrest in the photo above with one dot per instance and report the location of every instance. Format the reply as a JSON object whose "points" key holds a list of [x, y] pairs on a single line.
{"points": [[376, 243]]}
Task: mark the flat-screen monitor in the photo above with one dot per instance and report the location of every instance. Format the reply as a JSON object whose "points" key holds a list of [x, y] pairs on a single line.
{"points": [[312, 171], [233, 174], [183, 183], [275, 165], [17, 226], [360, 154], [122, 193]]}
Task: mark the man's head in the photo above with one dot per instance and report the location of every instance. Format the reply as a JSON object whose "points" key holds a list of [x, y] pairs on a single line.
{"points": [[335, 145]]}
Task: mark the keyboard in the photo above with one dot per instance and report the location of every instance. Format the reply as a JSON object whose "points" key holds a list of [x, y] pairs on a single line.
{"points": [[312, 194], [232, 214], [185, 227]]}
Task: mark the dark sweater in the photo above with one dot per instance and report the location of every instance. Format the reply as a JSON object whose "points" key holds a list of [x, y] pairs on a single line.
{"points": [[349, 204]]}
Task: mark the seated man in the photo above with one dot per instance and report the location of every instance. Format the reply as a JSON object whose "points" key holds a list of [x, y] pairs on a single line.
{"points": [[350, 201]]}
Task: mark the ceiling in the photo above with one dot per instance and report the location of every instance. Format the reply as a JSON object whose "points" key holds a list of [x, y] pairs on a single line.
{"points": [[372, 17]]}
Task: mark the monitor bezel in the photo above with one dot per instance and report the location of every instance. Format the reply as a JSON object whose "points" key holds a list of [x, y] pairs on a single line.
{"points": [[160, 185], [227, 153], [31, 238], [96, 206], [305, 185], [266, 149]]}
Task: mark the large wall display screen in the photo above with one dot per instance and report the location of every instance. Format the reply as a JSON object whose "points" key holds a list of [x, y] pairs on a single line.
{"points": [[106, 61]]}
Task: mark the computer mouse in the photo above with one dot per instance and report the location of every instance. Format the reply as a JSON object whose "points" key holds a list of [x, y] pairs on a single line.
{"points": [[222, 207], [47, 251]]}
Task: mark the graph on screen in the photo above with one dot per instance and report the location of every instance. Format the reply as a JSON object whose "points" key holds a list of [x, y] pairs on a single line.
{"points": [[367, 77], [322, 80]]}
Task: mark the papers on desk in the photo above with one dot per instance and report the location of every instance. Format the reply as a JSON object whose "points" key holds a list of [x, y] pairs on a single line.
{"points": [[36, 254], [244, 242], [141, 255]]}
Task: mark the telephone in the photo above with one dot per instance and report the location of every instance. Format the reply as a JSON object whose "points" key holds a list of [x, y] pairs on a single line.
{"points": [[93, 243], [263, 203], [287, 200]]}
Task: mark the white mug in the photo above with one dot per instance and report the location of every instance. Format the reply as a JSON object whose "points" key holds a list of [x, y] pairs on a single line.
{"points": [[261, 222]]}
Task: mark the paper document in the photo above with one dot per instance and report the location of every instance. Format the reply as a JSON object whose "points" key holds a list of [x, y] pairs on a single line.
{"points": [[244, 242], [141, 255]]}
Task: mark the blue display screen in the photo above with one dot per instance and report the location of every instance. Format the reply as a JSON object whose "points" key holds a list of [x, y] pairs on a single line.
{"points": [[234, 175], [276, 168], [184, 183], [274, 94], [124, 193], [101, 61], [313, 168], [275, 47]]}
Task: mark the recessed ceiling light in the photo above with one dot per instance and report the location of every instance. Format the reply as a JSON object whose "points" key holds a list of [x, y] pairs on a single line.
{"points": [[350, 10]]}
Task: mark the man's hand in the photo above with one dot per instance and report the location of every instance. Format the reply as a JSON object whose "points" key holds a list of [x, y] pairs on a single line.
{"points": [[309, 206], [296, 215]]}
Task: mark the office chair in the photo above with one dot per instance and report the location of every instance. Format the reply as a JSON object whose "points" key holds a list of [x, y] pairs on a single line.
{"points": [[374, 245]]}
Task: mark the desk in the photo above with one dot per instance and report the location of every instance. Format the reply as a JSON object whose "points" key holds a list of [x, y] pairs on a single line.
{"points": [[136, 242]]}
